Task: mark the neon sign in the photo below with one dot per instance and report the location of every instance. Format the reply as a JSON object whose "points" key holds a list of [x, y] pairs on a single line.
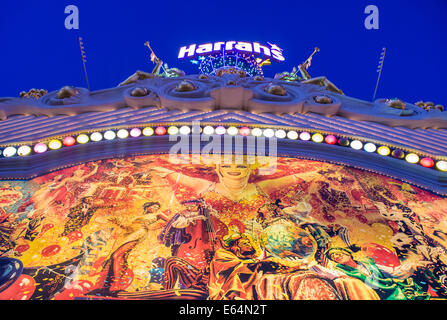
{"points": [[253, 48]]}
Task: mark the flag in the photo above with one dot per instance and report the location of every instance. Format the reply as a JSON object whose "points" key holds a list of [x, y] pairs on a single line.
{"points": [[379, 70], [153, 57], [83, 55], [382, 58], [266, 62], [84, 60], [308, 63]]}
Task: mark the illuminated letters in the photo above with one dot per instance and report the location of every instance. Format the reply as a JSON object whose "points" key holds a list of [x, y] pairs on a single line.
{"points": [[218, 46], [257, 48], [229, 45], [244, 46], [276, 52], [204, 48], [270, 51], [277, 55]]}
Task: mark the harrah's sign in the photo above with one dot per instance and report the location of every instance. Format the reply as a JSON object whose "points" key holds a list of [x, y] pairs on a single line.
{"points": [[270, 51]]}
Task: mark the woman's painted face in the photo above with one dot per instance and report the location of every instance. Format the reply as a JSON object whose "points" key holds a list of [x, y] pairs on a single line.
{"points": [[153, 208], [234, 171]]}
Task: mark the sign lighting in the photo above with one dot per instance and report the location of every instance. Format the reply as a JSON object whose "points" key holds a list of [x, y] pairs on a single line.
{"points": [[252, 48]]}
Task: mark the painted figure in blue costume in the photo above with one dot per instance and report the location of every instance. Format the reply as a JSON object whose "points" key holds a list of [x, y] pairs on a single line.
{"points": [[389, 283]]}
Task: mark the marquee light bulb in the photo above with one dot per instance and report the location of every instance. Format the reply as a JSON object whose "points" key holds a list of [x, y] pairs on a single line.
{"points": [[356, 144], [317, 137], [148, 131], [398, 154], [244, 131], [135, 132], [54, 144], [185, 130], [257, 132], [173, 130], [293, 135], [330, 139], [82, 138], [69, 141], [160, 131], [344, 142], [96, 136], [40, 148], [370, 147], [383, 151], [268, 133], [427, 162], [109, 135], [412, 158], [305, 136], [24, 150], [208, 130], [122, 133], [280, 134], [9, 152], [232, 131], [220, 130], [440, 165]]}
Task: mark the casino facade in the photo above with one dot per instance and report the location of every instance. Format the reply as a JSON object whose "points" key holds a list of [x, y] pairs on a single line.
{"points": [[226, 184]]}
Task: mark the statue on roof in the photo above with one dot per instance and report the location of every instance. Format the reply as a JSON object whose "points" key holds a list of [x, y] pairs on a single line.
{"points": [[158, 62], [293, 76], [33, 93], [166, 71], [305, 76]]}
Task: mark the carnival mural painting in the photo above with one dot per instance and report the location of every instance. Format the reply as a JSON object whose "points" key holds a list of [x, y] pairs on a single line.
{"points": [[147, 228]]}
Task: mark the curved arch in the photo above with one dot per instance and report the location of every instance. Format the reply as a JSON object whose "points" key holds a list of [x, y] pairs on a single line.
{"points": [[39, 164]]}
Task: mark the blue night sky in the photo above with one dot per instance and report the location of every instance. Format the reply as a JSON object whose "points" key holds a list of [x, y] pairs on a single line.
{"points": [[38, 52]]}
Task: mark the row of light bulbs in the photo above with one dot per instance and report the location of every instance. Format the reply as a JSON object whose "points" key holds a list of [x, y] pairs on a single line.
{"points": [[221, 130]]}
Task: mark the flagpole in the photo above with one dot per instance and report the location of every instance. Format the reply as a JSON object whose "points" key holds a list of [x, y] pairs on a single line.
{"points": [[81, 47], [382, 59]]}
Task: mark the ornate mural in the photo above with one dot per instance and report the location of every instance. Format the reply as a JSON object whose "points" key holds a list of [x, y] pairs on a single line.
{"points": [[146, 228]]}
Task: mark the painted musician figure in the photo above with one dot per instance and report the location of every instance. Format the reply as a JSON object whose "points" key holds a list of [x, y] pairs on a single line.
{"points": [[115, 268], [194, 233], [239, 271], [7, 225], [272, 213]]}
